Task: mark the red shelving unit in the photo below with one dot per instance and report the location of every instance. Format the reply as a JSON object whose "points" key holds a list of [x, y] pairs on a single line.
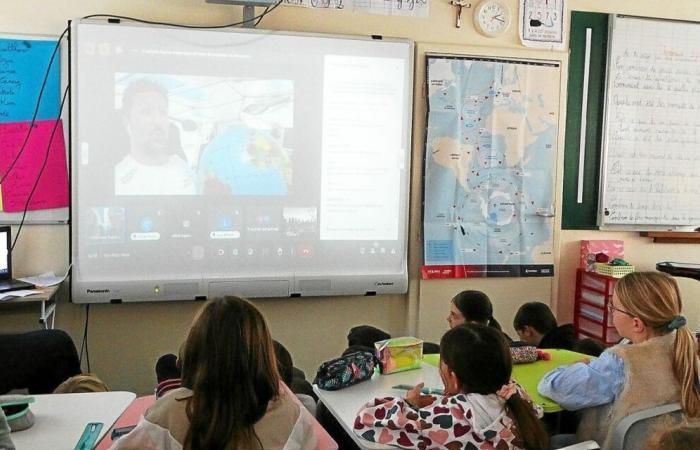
{"points": [[591, 316]]}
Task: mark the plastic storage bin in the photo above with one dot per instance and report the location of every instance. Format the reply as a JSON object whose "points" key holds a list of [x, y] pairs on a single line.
{"points": [[592, 319]]}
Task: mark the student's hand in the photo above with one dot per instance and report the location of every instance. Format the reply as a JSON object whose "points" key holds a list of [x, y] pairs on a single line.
{"points": [[584, 361], [418, 400]]}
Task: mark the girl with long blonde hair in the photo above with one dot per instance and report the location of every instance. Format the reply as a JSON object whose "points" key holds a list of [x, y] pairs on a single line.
{"points": [[660, 366]]}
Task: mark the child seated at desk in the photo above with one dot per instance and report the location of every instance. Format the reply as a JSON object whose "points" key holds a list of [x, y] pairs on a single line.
{"points": [[473, 307], [481, 406], [536, 325], [231, 396], [660, 366]]}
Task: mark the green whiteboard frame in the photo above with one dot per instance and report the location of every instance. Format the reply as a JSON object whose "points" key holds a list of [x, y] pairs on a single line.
{"points": [[584, 216]]}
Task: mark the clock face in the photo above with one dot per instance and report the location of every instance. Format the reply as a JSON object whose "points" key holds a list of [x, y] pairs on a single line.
{"points": [[492, 17]]}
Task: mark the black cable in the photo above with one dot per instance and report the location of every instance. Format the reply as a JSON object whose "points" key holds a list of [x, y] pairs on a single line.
{"points": [[43, 166], [36, 109], [267, 10], [84, 344], [203, 27]]}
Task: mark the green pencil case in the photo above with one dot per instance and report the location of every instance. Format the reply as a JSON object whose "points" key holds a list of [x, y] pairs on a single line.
{"points": [[16, 409]]}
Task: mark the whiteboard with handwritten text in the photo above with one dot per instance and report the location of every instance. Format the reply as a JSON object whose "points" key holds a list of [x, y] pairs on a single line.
{"points": [[650, 175]]}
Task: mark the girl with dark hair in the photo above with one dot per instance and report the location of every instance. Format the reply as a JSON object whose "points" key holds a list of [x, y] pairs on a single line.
{"points": [[481, 406], [471, 306], [231, 396]]}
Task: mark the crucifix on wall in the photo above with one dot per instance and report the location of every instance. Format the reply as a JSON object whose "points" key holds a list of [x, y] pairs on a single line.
{"points": [[460, 4]]}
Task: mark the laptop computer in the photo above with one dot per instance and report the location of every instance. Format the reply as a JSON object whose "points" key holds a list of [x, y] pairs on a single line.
{"points": [[7, 283]]}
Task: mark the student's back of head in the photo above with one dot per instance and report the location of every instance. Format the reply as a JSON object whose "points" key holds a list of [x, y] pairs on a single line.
{"points": [[480, 358], [654, 298], [285, 365], [683, 436], [86, 382], [229, 364], [474, 306]]}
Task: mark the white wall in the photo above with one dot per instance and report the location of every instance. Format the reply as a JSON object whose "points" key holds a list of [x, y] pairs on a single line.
{"points": [[125, 340]]}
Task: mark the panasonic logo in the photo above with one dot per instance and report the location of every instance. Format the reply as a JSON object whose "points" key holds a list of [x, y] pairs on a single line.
{"points": [[98, 291], [384, 283]]}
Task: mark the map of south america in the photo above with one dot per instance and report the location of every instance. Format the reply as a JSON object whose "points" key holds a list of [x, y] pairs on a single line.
{"points": [[490, 167]]}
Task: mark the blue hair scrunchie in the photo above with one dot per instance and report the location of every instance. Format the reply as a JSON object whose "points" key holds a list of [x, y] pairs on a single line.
{"points": [[676, 323]]}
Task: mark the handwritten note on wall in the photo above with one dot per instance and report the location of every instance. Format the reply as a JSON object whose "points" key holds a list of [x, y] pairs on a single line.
{"points": [[52, 188], [411, 8], [23, 65], [652, 152]]}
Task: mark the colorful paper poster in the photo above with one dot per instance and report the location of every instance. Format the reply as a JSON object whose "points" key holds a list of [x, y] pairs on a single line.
{"points": [[542, 23], [51, 190], [490, 167], [23, 64]]}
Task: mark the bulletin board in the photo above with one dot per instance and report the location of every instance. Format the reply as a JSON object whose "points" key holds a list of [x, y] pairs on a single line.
{"points": [[40, 153]]}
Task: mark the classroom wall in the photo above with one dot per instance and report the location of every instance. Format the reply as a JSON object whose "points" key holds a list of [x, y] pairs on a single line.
{"points": [[125, 340]]}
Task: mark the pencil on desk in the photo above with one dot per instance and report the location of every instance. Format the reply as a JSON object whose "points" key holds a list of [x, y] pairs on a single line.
{"points": [[427, 391]]}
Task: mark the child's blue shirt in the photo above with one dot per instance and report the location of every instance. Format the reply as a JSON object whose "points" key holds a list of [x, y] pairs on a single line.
{"points": [[582, 385]]}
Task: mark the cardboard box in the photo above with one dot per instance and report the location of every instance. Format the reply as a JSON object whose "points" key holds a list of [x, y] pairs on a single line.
{"points": [[590, 248]]}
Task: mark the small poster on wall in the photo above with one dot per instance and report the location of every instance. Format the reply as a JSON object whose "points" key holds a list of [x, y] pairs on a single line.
{"points": [[542, 23]]}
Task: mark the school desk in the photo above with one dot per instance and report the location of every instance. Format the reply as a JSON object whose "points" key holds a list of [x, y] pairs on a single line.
{"points": [[529, 375], [45, 298], [59, 419]]}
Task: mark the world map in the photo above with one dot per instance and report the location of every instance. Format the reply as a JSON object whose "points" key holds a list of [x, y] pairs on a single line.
{"points": [[490, 167]]}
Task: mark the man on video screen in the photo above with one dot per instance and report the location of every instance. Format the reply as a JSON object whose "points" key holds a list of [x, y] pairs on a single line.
{"points": [[153, 165]]}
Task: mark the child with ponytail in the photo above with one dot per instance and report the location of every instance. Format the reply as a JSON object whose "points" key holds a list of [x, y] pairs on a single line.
{"points": [[660, 366], [481, 406]]}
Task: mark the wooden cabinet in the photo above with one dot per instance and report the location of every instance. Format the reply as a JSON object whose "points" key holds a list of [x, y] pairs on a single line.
{"points": [[592, 318]]}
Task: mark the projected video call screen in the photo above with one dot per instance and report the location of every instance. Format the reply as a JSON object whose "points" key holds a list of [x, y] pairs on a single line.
{"points": [[238, 153]]}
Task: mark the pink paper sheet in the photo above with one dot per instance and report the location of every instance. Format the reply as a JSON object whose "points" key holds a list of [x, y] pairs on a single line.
{"points": [[52, 189]]}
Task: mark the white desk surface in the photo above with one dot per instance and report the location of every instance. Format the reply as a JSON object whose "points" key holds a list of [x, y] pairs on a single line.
{"points": [[346, 403], [59, 419]]}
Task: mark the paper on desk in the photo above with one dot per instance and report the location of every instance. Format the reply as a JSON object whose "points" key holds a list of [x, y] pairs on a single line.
{"points": [[44, 279], [14, 294]]}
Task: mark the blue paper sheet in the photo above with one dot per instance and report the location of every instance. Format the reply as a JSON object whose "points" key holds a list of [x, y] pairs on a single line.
{"points": [[23, 66]]}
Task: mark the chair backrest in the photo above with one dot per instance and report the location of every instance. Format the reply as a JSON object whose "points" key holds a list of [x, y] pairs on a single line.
{"points": [[633, 431]]}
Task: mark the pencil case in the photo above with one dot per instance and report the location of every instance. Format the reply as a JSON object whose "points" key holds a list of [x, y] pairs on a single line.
{"points": [[345, 371], [399, 354], [527, 354]]}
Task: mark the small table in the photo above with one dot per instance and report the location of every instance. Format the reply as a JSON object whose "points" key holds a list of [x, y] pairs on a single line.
{"points": [[47, 303], [59, 419]]}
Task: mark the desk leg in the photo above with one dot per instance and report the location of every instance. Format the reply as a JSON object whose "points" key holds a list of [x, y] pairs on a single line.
{"points": [[46, 313]]}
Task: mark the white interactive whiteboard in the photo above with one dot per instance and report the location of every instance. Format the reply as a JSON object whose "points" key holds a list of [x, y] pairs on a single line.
{"points": [[257, 163], [650, 175]]}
